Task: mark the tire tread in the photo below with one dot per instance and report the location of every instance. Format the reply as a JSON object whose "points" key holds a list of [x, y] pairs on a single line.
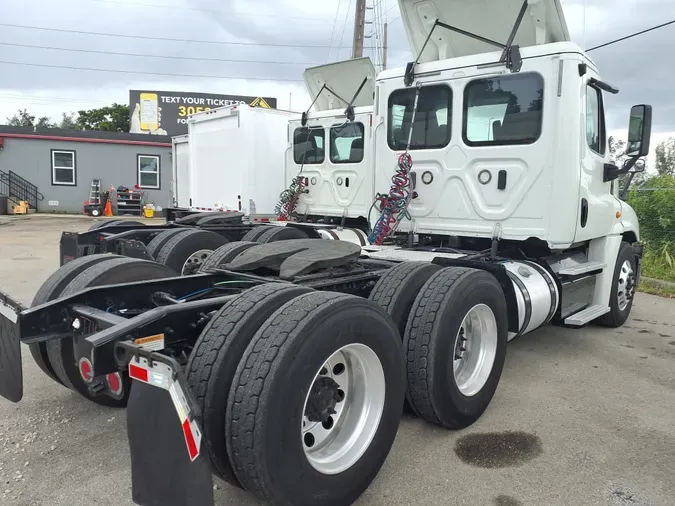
{"points": [[423, 316], [246, 395]]}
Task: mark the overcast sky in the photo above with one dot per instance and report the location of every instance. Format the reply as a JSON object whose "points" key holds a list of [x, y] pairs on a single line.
{"points": [[641, 67]]}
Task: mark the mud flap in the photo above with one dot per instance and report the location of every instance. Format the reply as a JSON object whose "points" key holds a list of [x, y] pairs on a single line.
{"points": [[11, 372], [165, 471]]}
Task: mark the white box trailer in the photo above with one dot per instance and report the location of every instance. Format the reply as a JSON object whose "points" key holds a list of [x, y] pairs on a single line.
{"points": [[180, 160], [237, 158]]}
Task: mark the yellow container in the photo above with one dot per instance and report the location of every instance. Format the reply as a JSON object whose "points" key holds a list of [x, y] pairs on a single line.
{"points": [[148, 212], [21, 208]]}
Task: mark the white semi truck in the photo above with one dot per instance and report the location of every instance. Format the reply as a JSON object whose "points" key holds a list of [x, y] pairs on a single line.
{"points": [[283, 367]]}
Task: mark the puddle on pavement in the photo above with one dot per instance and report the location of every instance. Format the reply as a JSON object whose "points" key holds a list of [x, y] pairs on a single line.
{"points": [[498, 449], [506, 500]]}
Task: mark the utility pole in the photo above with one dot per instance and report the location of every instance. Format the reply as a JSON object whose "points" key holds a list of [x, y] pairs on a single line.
{"points": [[359, 28], [384, 48]]}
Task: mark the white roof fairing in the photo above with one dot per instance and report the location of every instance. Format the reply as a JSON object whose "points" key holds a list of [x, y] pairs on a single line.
{"points": [[344, 78], [543, 23]]}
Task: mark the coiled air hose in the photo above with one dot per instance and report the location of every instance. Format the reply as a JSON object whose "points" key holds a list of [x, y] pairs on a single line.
{"points": [[394, 206]]}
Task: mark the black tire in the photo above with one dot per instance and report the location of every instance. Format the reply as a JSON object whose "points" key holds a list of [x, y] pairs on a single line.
{"points": [[215, 357], [221, 219], [102, 223], [178, 249], [225, 254], [617, 317], [116, 223], [275, 234], [61, 352], [253, 234], [430, 340], [51, 289], [267, 398], [157, 242], [396, 290]]}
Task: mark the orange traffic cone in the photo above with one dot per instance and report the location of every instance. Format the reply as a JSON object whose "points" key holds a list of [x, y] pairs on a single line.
{"points": [[108, 209]]}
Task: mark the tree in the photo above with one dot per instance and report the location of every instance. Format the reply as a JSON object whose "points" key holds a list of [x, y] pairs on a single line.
{"points": [[654, 204], [665, 157], [68, 122], [24, 119], [112, 118], [617, 156], [44, 122]]}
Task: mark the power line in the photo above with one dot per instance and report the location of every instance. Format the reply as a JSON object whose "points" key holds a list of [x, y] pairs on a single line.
{"points": [[146, 37], [148, 73], [197, 9], [631, 36], [94, 51], [337, 12], [344, 26], [390, 9]]}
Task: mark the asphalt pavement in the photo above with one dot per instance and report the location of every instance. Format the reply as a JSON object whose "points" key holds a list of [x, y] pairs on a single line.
{"points": [[581, 417]]}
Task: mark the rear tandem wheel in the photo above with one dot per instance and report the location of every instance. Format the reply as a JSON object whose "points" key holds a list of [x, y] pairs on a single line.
{"points": [[455, 342], [186, 251], [51, 289], [217, 353], [316, 401], [61, 352]]}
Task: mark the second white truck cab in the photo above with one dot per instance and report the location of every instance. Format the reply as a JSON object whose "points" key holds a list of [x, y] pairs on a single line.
{"points": [[332, 152]]}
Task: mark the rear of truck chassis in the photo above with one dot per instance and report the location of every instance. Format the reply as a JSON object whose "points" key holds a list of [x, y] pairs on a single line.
{"points": [[294, 359]]}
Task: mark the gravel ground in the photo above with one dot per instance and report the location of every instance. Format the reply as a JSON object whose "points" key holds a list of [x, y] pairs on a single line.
{"points": [[581, 417]]}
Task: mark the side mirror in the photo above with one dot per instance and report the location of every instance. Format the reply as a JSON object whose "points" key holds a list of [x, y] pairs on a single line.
{"points": [[639, 131], [639, 166]]}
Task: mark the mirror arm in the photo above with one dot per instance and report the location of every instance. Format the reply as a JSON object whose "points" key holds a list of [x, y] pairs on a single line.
{"points": [[630, 163], [624, 191]]}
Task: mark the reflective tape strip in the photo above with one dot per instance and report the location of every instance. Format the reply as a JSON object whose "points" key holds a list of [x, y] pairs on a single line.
{"points": [[160, 375]]}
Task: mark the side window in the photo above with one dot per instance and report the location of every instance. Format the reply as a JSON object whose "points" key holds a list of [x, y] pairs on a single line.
{"points": [[432, 119], [63, 168], [346, 143], [595, 120], [503, 110], [148, 171], [309, 146]]}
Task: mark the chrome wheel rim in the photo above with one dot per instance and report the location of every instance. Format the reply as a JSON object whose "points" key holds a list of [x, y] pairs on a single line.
{"points": [[625, 288], [343, 408], [475, 350], [195, 261]]}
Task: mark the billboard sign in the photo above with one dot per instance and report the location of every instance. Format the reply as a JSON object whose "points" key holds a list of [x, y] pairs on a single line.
{"points": [[166, 112]]}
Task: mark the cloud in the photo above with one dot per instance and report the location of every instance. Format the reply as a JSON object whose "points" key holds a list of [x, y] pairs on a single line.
{"points": [[639, 67]]}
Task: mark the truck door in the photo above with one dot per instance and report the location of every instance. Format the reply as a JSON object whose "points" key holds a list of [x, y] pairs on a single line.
{"points": [[597, 206]]}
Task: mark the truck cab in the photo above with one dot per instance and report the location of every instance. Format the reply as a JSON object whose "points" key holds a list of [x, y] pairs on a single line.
{"points": [[518, 152], [333, 153]]}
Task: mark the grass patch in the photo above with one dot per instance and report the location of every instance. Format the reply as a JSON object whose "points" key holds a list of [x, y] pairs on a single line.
{"points": [[655, 288], [658, 265]]}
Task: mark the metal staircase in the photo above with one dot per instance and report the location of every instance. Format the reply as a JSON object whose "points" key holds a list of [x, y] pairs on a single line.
{"points": [[17, 189]]}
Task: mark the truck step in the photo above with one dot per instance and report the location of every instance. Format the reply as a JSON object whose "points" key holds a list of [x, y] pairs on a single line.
{"points": [[583, 268], [587, 315]]}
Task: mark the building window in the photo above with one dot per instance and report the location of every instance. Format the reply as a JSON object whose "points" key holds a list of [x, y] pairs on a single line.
{"points": [[309, 146], [148, 171], [595, 120], [432, 118], [63, 168], [503, 110], [346, 143]]}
